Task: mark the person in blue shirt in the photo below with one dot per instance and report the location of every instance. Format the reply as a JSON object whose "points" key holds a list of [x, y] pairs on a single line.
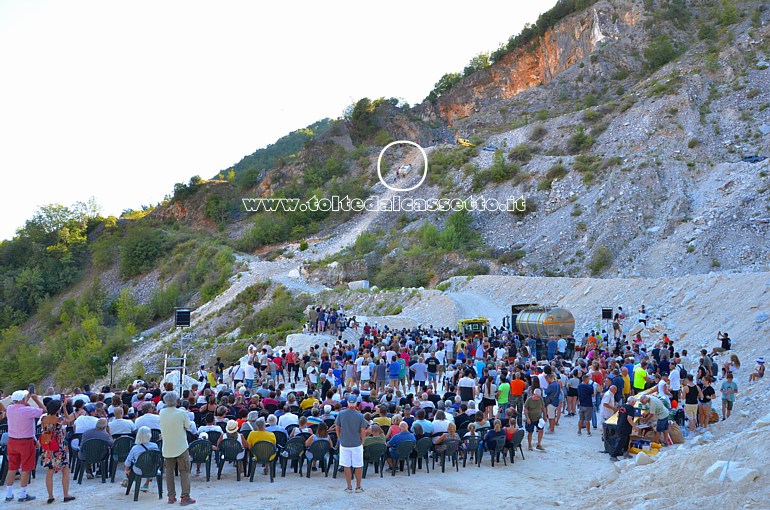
{"points": [[617, 381], [551, 349], [586, 403], [427, 426], [393, 370], [553, 397], [532, 344], [480, 366], [402, 436]]}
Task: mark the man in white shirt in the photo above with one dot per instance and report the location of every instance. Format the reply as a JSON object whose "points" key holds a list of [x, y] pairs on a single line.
{"points": [[470, 393], [149, 418], [119, 425], [250, 371], [287, 418], [608, 407], [80, 396], [675, 382], [85, 422]]}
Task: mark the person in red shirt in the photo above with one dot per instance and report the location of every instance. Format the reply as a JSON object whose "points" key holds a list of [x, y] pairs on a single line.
{"points": [[22, 449]]}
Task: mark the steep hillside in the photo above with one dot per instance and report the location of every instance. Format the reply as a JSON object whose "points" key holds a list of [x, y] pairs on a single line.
{"points": [[628, 153]]}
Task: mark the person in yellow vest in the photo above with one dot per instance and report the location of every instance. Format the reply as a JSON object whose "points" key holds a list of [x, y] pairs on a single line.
{"points": [[640, 377]]}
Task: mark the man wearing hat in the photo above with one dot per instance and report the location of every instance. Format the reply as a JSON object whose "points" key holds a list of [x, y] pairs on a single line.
{"points": [[21, 448], [351, 431]]}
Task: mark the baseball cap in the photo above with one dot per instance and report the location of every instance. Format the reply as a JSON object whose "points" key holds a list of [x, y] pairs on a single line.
{"points": [[352, 399], [18, 396], [327, 408], [90, 408]]}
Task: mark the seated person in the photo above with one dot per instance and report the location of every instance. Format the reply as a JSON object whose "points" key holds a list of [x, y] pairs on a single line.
{"points": [[402, 436], [376, 435], [231, 432], [141, 444], [440, 441]]}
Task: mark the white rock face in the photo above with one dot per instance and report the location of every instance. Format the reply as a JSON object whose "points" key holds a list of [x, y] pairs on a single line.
{"points": [[724, 470], [294, 273], [358, 285], [642, 459], [763, 421]]}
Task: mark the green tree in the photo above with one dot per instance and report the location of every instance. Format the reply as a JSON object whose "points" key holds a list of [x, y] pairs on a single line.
{"points": [[444, 84], [477, 63], [139, 249], [660, 52], [729, 13], [217, 209]]}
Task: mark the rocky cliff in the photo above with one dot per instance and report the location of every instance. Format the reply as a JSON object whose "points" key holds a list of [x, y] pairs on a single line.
{"points": [[540, 61]]}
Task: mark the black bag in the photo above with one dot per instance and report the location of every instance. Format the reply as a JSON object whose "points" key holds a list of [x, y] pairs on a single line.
{"points": [[682, 372]]}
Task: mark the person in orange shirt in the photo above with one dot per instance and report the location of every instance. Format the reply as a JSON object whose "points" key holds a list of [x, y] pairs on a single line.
{"points": [[518, 386]]}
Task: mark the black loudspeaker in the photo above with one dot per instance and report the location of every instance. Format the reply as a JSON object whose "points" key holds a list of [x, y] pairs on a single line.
{"points": [[610, 437], [607, 314], [182, 317]]}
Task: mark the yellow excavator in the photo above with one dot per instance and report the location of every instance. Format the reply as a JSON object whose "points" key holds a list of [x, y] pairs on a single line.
{"points": [[464, 142]]}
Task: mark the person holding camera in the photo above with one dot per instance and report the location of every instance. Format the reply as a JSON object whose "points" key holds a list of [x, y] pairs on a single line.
{"points": [[22, 447], [54, 445]]}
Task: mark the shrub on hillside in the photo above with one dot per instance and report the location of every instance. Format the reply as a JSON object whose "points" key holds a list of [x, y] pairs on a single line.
{"points": [[600, 260], [538, 133], [579, 141], [660, 52], [139, 250], [522, 153]]}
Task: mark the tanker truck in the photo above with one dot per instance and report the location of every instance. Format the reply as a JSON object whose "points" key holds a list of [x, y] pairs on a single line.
{"points": [[539, 321]]}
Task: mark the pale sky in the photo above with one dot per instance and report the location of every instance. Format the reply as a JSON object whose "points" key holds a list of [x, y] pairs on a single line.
{"points": [[120, 100]]}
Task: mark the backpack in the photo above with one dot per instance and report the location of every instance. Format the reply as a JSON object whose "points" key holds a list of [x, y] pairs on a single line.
{"points": [[682, 372]]}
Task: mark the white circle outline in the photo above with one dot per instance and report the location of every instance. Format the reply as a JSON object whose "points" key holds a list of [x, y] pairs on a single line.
{"points": [[424, 173]]}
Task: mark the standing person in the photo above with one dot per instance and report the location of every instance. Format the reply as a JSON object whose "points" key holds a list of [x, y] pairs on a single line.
{"points": [[729, 390], [704, 403], [533, 411], [518, 386], [488, 397], [553, 396], [586, 404], [609, 406], [692, 394], [54, 445], [351, 432], [572, 393], [174, 424], [21, 449], [625, 426], [659, 413], [503, 394]]}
